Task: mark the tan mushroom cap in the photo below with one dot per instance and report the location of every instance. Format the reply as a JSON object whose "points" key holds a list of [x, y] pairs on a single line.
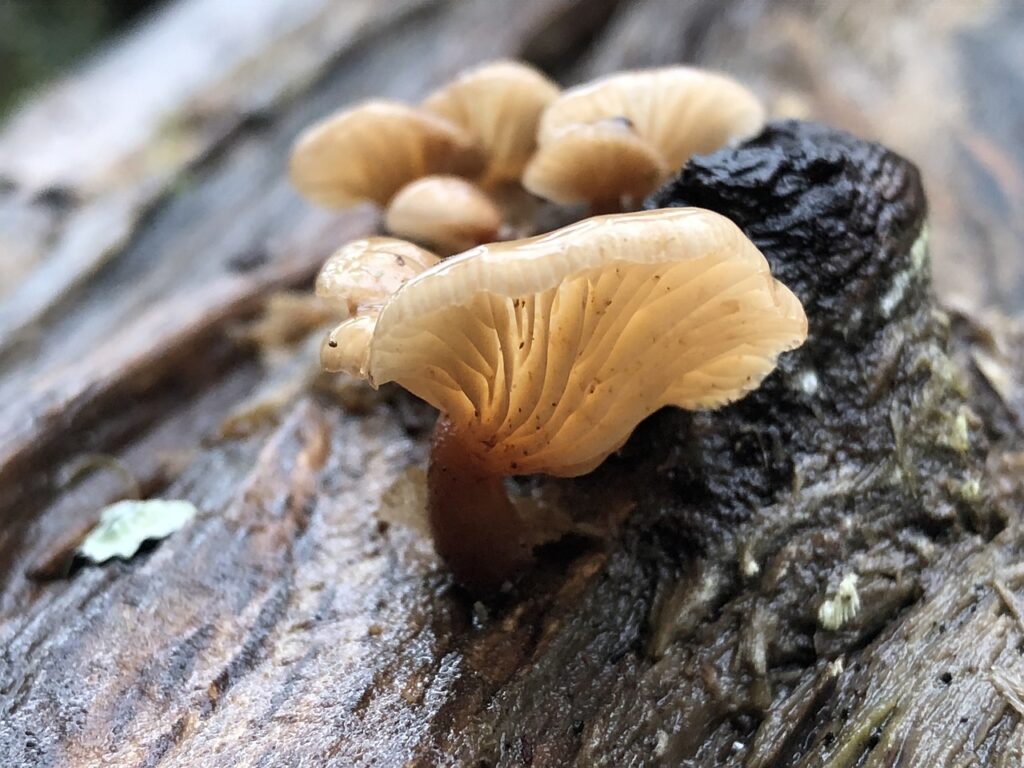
{"points": [[356, 281], [445, 212], [680, 110], [596, 163], [366, 272], [347, 348], [545, 353], [369, 152], [499, 104]]}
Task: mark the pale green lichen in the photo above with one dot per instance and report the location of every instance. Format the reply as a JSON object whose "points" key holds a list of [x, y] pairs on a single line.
{"points": [[970, 489], [957, 436], [808, 382], [919, 250], [901, 282], [124, 526]]}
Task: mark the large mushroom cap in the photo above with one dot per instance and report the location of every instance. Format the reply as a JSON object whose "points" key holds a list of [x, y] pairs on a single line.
{"points": [[680, 110], [365, 272], [499, 104], [597, 163], [545, 353], [444, 212], [369, 152]]}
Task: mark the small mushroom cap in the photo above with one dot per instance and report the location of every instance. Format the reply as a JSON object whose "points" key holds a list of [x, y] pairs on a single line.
{"points": [[680, 110], [445, 212], [347, 348], [499, 104], [366, 272], [598, 162], [369, 152], [545, 353]]}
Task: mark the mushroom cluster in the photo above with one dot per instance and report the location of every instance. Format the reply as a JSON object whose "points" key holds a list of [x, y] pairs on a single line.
{"points": [[436, 168], [541, 354], [452, 172], [618, 138]]}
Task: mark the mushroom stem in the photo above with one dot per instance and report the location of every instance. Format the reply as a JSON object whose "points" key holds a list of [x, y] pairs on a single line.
{"points": [[475, 527]]}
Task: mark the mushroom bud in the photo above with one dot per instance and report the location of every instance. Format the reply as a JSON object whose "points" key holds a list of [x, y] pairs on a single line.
{"points": [[543, 355], [356, 281], [369, 152], [676, 111], [445, 212], [366, 271]]}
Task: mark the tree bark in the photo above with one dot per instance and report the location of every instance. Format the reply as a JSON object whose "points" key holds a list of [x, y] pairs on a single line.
{"points": [[294, 623]]}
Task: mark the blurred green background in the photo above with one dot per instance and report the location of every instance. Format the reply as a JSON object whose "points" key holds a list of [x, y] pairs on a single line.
{"points": [[40, 38]]}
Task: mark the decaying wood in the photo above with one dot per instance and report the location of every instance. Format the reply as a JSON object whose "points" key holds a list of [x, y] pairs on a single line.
{"points": [[291, 625]]}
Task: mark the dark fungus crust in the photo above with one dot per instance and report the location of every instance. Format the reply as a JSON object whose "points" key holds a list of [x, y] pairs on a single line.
{"points": [[842, 223], [835, 215]]}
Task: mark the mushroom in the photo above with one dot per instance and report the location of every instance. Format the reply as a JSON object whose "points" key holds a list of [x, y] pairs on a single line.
{"points": [[543, 354], [599, 163], [499, 104], [481, 125], [444, 212], [356, 281], [369, 152], [347, 348], [677, 111], [366, 271]]}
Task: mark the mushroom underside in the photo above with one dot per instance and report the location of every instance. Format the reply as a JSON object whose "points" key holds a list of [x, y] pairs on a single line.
{"points": [[556, 380]]}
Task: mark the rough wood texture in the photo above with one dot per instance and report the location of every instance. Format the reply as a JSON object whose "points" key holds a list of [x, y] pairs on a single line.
{"points": [[290, 625]]}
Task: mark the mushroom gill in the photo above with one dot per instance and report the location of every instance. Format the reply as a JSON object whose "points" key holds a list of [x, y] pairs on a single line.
{"points": [[545, 353], [600, 163]]}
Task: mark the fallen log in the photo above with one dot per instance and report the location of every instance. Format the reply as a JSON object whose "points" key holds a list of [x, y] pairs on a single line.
{"points": [[707, 618]]}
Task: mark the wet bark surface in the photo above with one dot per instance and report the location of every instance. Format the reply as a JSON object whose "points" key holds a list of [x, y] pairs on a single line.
{"points": [[293, 624]]}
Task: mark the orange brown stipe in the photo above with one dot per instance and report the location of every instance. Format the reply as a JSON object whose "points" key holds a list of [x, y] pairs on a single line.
{"points": [[475, 527]]}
